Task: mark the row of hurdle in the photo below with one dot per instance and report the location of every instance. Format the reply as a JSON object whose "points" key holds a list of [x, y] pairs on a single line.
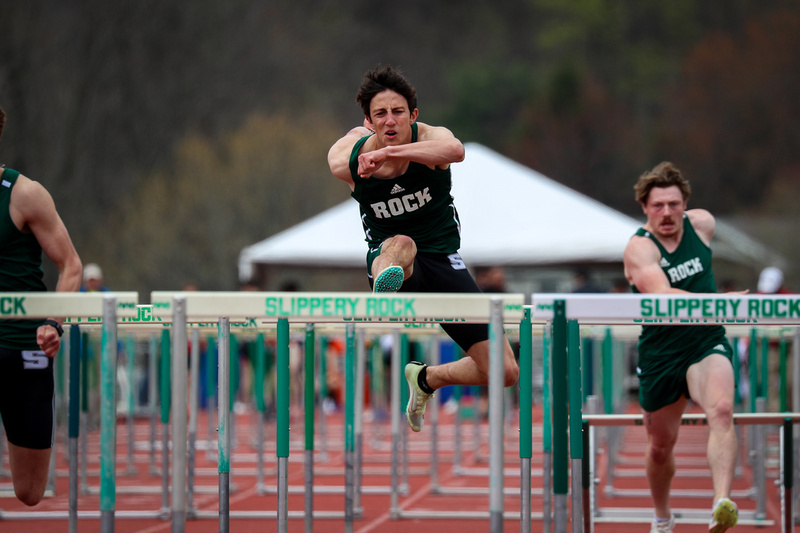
{"points": [[560, 314]]}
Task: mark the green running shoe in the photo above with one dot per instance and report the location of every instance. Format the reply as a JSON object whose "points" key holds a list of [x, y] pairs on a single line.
{"points": [[389, 280]]}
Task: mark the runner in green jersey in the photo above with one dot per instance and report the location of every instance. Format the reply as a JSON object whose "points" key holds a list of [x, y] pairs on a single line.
{"points": [[398, 170], [671, 254], [30, 225]]}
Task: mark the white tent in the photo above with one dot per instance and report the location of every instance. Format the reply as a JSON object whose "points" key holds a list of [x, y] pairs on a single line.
{"points": [[511, 215]]}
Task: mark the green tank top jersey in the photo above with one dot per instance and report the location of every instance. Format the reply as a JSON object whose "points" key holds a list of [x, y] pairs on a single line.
{"points": [[417, 204], [20, 268], [687, 268]]}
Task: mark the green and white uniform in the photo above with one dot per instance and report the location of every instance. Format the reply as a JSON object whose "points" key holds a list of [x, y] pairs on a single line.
{"points": [[417, 204], [26, 373], [666, 352], [20, 268]]}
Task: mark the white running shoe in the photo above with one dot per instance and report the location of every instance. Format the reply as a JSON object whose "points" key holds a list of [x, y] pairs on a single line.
{"points": [[664, 526], [417, 398]]}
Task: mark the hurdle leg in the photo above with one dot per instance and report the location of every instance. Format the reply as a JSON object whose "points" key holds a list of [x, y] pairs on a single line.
{"points": [[404, 358], [74, 422], [575, 422], [179, 422], [152, 398], [787, 467], [323, 394], [194, 399], [108, 419], [358, 426], [759, 463], [547, 455], [282, 418], [796, 408], [586, 478], [590, 459], [349, 430], [394, 509], [309, 406], [525, 419], [223, 415], [130, 346], [258, 389], [560, 416], [164, 399], [433, 406], [211, 387], [496, 387], [84, 442]]}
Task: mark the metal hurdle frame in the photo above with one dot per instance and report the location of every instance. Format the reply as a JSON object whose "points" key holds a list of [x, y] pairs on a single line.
{"points": [[326, 307], [652, 309], [108, 306], [695, 516]]}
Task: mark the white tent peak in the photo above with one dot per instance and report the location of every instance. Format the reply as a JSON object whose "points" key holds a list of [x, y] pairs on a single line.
{"points": [[513, 215]]}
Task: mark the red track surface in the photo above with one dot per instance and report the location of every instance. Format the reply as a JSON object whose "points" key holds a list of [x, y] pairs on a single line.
{"points": [[329, 471]]}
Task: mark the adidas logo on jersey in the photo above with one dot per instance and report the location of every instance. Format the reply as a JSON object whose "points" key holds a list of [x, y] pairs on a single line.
{"points": [[664, 262], [396, 189]]}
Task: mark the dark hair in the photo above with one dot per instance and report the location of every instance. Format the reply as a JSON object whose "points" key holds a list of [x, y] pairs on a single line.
{"points": [[664, 175], [2, 120], [382, 79]]}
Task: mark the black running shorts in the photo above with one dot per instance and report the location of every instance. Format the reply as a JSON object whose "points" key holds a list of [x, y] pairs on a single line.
{"points": [[26, 398], [442, 273]]}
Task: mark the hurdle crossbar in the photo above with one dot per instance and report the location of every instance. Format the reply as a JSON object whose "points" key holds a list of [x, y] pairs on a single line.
{"points": [[675, 309], [338, 306], [72, 305], [693, 419]]}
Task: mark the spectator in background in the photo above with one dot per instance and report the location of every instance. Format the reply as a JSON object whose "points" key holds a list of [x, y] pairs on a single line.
{"points": [[771, 282], [620, 285], [249, 286], [583, 282], [93, 279], [491, 278], [290, 286]]}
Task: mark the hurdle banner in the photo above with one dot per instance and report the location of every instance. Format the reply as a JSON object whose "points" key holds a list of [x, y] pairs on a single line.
{"points": [[674, 309], [76, 306], [339, 306], [148, 315]]}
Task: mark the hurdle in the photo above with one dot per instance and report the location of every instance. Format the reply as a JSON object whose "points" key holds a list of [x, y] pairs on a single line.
{"points": [[353, 308], [108, 306], [567, 310]]}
